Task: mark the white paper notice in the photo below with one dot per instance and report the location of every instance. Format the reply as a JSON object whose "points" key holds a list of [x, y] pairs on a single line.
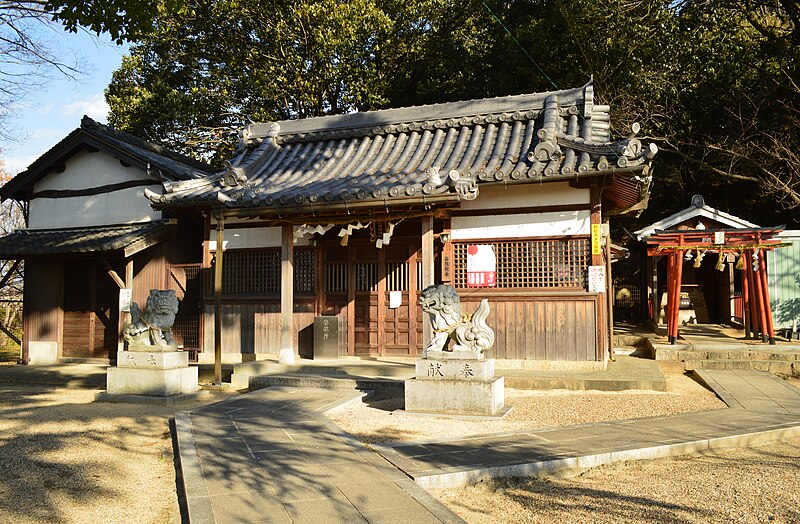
{"points": [[481, 266], [125, 299], [597, 279], [395, 299]]}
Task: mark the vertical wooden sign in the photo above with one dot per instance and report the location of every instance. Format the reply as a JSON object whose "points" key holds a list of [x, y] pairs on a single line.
{"points": [[597, 236], [447, 263]]}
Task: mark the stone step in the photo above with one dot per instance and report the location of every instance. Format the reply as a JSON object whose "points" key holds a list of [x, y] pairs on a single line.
{"points": [[780, 368], [327, 382], [629, 341], [359, 369]]}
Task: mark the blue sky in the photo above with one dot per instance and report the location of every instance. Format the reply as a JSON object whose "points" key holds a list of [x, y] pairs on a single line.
{"points": [[53, 110]]}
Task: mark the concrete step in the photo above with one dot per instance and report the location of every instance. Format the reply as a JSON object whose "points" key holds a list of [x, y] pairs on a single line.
{"points": [[327, 382], [780, 368], [583, 384], [629, 341]]}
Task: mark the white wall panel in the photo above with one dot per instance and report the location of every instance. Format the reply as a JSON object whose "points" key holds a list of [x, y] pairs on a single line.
{"points": [[527, 195], [521, 226]]}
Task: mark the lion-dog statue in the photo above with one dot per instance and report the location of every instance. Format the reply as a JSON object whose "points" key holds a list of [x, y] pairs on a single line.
{"points": [[470, 332], [153, 326]]}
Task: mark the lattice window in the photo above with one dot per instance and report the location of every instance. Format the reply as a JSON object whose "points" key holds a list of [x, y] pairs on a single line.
{"points": [[533, 263], [258, 272], [304, 270], [367, 277], [336, 277], [397, 276], [251, 272]]}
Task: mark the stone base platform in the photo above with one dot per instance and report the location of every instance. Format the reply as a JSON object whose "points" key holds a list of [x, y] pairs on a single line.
{"points": [[458, 397], [159, 371], [154, 382], [171, 400]]}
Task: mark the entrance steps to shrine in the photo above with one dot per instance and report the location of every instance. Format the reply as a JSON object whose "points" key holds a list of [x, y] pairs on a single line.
{"points": [[349, 373], [376, 385], [782, 360]]}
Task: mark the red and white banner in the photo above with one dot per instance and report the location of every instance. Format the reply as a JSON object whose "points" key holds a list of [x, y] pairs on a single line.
{"points": [[481, 266]]}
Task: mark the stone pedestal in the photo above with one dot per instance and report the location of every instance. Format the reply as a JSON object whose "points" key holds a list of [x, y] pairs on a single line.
{"points": [[457, 382], [160, 371]]}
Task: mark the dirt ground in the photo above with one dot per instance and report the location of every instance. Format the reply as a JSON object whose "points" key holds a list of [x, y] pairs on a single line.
{"points": [[384, 421], [66, 459], [745, 486]]}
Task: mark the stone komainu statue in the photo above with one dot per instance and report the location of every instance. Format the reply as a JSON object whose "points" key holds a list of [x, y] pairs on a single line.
{"points": [[153, 327], [470, 332]]}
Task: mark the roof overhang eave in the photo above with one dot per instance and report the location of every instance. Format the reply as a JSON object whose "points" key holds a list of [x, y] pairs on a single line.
{"points": [[314, 208]]}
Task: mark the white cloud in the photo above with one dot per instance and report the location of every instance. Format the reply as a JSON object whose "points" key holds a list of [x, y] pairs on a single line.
{"points": [[94, 107]]}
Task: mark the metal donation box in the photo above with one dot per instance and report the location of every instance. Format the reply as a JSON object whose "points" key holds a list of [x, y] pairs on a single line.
{"points": [[330, 337]]}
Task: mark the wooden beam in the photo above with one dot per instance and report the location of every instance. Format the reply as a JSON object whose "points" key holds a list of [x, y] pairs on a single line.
{"points": [[218, 299], [287, 295], [427, 273], [113, 274]]}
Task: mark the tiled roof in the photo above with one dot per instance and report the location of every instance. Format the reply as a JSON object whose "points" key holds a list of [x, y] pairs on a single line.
{"points": [[172, 164], [159, 162], [127, 237], [414, 152]]}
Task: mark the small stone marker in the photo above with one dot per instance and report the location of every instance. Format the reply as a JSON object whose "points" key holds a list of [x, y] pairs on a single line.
{"points": [[460, 381]]}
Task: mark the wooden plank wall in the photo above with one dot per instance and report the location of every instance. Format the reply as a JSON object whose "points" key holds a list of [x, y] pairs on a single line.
{"points": [[541, 327], [249, 328], [43, 316], [149, 272]]}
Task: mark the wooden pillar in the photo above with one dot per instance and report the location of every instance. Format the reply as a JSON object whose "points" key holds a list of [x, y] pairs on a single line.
{"points": [[125, 317], [288, 351], [381, 335], [351, 300], [747, 316], [769, 330], [759, 294], [670, 299], [218, 299], [595, 219], [678, 281], [413, 293], [753, 299], [427, 272], [609, 299]]}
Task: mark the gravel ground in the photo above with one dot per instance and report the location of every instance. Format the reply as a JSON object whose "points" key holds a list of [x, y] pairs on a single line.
{"points": [[378, 420], [64, 459], [752, 485]]}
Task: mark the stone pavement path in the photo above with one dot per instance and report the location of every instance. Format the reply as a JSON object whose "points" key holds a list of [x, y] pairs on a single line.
{"points": [[271, 456], [762, 408]]}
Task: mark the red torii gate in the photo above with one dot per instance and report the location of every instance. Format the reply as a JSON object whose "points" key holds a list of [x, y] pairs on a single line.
{"points": [[748, 244]]}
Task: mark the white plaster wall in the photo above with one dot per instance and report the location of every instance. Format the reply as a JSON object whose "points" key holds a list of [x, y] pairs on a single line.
{"points": [[527, 195], [522, 225], [118, 207], [244, 238], [87, 171]]}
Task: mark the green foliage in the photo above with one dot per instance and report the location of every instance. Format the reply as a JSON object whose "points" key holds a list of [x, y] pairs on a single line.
{"points": [[121, 19], [715, 83]]}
